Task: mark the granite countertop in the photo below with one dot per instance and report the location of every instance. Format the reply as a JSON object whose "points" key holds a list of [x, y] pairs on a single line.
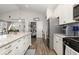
{"points": [[6, 39], [59, 34], [63, 35]]}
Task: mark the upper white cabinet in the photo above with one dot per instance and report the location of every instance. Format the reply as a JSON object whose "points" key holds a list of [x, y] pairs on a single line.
{"points": [[65, 13]]}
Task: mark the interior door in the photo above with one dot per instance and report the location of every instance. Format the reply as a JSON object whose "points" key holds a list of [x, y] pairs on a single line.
{"points": [[39, 29], [33, 31]]}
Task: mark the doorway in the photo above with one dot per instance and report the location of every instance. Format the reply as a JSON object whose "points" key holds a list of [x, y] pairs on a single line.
{"points": [[33, 31]]}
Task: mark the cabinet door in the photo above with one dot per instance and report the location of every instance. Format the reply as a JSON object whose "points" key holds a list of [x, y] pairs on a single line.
{"points": [[18, 47], [60, 46], [15, 47], [29, 39], [5, 50], [21, 46], [55, 43]]}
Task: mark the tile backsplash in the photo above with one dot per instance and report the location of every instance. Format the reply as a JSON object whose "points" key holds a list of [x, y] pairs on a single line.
{"points": [[70, 31]]}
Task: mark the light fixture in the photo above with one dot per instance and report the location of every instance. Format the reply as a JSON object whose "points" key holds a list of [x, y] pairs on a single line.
{"points": [[19, 20], [36, 19]]}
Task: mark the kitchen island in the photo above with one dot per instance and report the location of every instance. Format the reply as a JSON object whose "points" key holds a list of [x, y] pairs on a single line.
{"points": [[15, 44]]}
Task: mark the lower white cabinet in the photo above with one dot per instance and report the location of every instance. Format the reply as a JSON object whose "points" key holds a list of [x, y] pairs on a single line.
{"points": [[17, 47], [70, 51], [58, 44], [5, 50]]}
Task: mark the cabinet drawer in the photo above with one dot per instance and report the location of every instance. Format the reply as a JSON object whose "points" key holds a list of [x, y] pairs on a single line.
{"points": [[14, 44], [5, 50], [18, 47]]}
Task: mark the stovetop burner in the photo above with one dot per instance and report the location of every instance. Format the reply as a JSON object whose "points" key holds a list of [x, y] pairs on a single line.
{"points": [[73, 38]]}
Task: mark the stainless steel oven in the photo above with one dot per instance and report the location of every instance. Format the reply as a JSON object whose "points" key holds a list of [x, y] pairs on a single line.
{"points": [[72, 42]]}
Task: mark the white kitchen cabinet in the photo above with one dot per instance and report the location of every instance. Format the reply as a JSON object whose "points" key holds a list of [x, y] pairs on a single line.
{"points": [[70, 51], [55, 43], [17, 47], [5, 50], [58, 44]]}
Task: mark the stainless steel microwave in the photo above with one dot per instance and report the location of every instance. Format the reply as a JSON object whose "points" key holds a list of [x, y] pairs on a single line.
{"points": [[76, 12]]}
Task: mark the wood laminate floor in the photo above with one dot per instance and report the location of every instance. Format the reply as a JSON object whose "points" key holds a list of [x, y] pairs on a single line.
{"points": [[41, 48]]}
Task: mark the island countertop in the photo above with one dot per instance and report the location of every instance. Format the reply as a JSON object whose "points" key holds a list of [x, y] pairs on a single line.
{"points": [[6, 39]]}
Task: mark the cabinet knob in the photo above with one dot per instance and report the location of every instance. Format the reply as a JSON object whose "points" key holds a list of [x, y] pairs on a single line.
{"points": [[8, 47], [8, 52]]}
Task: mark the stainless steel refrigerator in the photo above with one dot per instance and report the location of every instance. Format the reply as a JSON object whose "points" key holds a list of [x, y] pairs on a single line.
{"points": [[53, 27]]}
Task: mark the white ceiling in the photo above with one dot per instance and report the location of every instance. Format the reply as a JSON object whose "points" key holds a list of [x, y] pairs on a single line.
{"points": [[35, 7]]}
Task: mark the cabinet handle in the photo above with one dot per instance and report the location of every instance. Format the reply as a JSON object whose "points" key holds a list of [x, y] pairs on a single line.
{"points": [[8, 52], [8, 47]]}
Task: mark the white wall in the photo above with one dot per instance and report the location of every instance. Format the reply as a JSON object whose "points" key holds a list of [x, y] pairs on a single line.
{"points": [[50, 12], [65, 12], [24, 14], [45, 28]]}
